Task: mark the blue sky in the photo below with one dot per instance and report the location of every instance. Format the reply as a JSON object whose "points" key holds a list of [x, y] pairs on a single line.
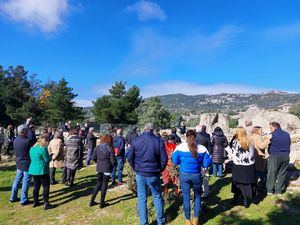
{"points": [[163, 46]]}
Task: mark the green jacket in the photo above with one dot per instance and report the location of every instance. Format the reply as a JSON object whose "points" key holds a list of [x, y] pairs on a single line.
{"points": [[40, 159]]}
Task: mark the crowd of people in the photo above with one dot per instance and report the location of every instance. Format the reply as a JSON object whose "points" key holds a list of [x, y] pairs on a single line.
{"points": [[183, 163]]}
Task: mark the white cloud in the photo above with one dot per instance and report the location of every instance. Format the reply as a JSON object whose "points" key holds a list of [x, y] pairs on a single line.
{"points": [[153, 53], [187, 88], [283, 32], [83, 102], [44, 15], [147, 10]]}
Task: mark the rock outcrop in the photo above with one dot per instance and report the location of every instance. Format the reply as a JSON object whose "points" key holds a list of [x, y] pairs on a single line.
{"points": [[213, 120]]}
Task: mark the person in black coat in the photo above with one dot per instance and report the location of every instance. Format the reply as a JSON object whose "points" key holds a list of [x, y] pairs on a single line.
{"points": [[202, 137], [174, 134], [105, 158], [219, 142], [131, 135]]}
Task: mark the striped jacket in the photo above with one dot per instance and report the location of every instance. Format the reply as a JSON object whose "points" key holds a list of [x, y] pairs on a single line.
{"points": [[183, 157]]}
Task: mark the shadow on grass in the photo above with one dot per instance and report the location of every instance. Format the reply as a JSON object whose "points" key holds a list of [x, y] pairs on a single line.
{"points": [[8, 168], [287, 212]]}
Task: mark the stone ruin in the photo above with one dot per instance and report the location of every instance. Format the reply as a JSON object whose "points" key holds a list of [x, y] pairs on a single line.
{"points": [[213, 120]]}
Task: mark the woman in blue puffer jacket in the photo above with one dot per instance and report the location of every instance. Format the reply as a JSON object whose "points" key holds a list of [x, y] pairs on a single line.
{"points": [[191, 158]]}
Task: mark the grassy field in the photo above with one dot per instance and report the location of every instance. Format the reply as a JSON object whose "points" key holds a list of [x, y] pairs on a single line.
{"points": [[72, 205]]}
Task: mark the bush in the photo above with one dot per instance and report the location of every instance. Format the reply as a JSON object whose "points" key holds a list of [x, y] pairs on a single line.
{"points": [[233, 123], [295, 110]]}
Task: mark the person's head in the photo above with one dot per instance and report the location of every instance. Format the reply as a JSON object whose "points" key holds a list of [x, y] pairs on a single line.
{"points": [[174, 130], [119, 131], [134, 128], [50, 129], [257, 130], [191, 141], [149, 127], [218, 130], [32, 127], [10, 127], [73, 132], [171, 139], [198, 128], [58, 135], [42, 141], [274, 126], [107, 139], [204, 128], [23, 130], [91, 130], [242, 138]]}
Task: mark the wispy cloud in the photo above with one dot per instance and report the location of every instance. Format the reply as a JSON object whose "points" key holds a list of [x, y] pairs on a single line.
{"points": [[43, 15], [83, 102], [187, 88], [152, 53], [147, 10], [283, 32]]}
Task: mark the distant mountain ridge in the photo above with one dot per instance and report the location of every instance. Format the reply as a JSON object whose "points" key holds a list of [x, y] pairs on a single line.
{"points": [[227, 102]]}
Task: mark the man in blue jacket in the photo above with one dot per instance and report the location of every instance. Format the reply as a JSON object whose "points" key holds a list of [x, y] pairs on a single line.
{"points": [[119, 148], [279, 159], [148, 158]]}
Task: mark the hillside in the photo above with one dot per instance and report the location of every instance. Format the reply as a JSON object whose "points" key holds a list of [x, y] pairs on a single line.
{"points": [[228, 102]]}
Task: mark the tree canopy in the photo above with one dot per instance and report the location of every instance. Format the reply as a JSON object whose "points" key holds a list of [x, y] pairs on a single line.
{"points": [[153, 111], [119, 106]]}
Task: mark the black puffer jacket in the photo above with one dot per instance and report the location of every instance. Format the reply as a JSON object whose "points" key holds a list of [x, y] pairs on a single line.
{"points": [[203, 138], [74, 152], [105, 158], [219, 142]]}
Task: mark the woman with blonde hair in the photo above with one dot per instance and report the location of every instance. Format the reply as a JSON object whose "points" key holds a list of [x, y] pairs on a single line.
{"points": [[261, 154], [39, 169], [243, 171]]}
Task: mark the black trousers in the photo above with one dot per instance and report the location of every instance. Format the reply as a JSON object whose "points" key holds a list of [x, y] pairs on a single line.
{"points": [[102, 184], [43, 180], [52, 174], [70, 175]]}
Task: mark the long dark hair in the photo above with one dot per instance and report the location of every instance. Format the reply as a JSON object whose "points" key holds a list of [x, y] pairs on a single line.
{"points": [[191, 141]]}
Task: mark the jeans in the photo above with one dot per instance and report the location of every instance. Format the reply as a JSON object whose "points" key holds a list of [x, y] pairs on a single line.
{"points": [[277, 170], [142, 186], [119, 166], [89, 156], [188, 181], [217, 169], [25, 178], [102, 183], [43, 180]]}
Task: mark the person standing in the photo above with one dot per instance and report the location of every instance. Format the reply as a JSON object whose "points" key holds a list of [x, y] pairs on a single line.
{"points": [[131, 135], [243, 170], [191, 157], [105, 158], [73, 156], [9, 139], [261, 154], [21, 148], [219, 142], [91, 142], [279, 159], [39, 170], [203, 138], [56, 149], [148, 158], [119, 149], [177, 138]]}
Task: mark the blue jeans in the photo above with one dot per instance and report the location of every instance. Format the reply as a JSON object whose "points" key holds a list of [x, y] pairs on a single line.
{"points": [[188, 181], [218, 169], [142, 186], [89, 156], [119, 166], [25, 178]]}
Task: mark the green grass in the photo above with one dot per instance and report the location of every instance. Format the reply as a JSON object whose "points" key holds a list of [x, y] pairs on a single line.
{"points": [[73, 205]]}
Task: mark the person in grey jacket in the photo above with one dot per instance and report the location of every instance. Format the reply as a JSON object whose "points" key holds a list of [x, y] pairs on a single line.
{"points": [[73, 156]]}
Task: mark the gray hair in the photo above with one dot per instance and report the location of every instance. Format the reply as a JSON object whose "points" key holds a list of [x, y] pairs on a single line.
{"points": [[149, 127], [22, 128], [92, 129]]}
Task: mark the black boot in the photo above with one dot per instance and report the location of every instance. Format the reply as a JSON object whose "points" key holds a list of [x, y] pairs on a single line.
{"points": [[246, 203], [103, 205], [235, 199], [47, 206], [92, 201]]}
